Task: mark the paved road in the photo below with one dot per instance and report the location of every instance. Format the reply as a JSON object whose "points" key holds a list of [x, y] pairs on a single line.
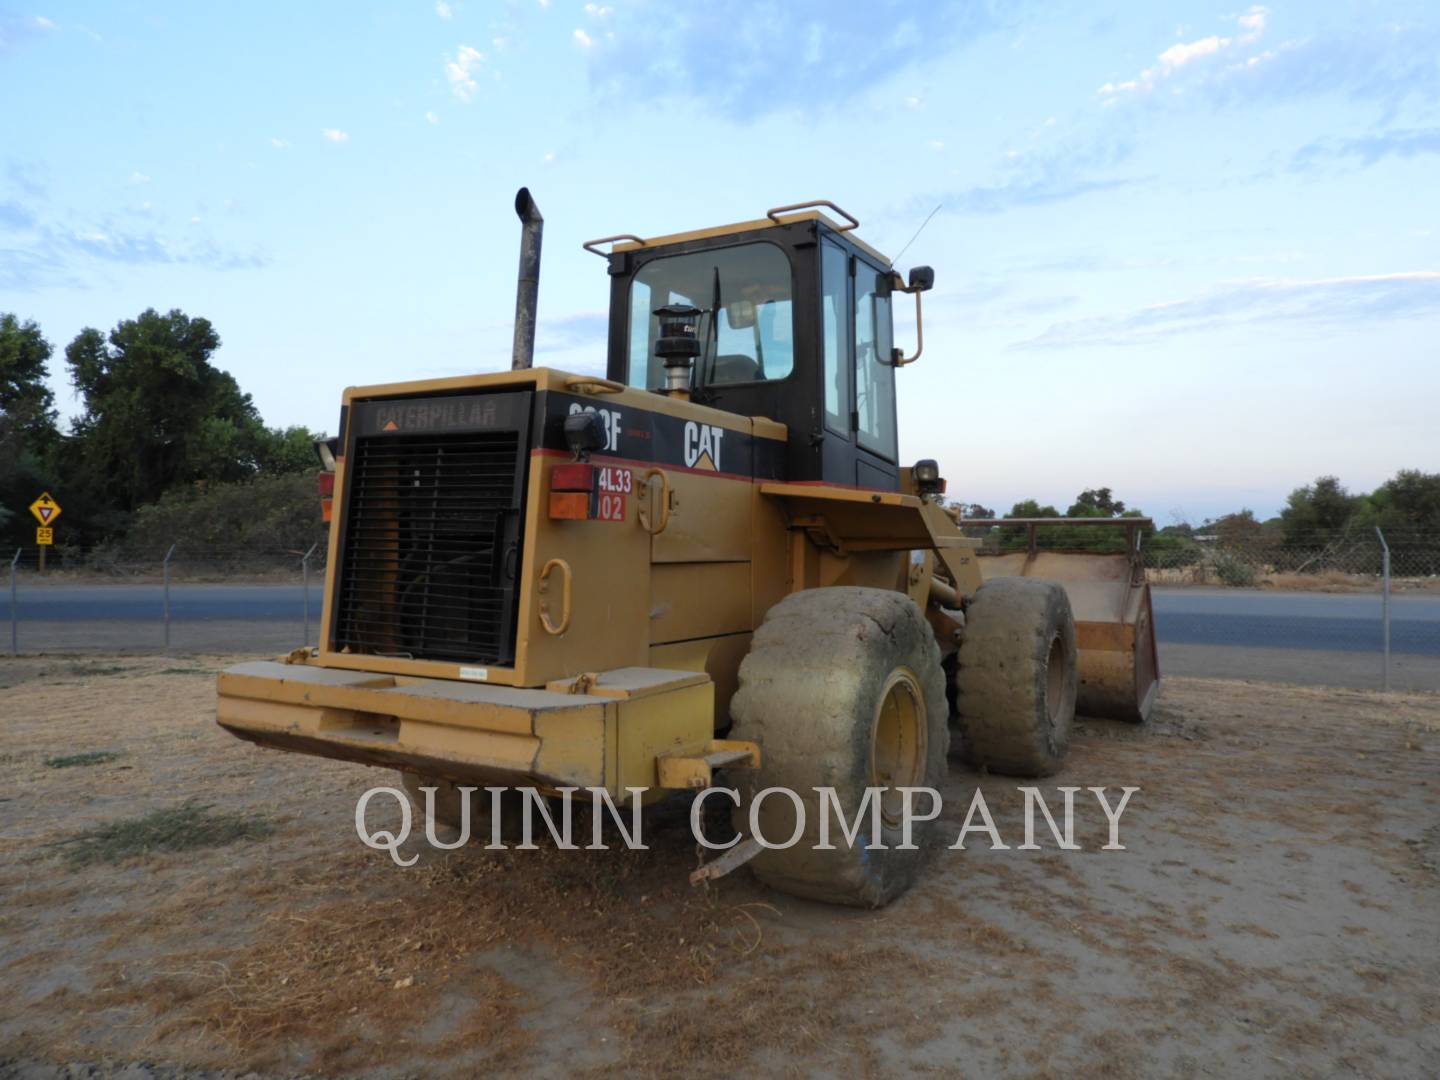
{"points": [[89, 603], [1227, 617], [1332, 622], [1317, 638]]}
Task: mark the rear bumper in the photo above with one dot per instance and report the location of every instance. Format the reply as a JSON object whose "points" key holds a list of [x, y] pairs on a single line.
{"points": [[623, 730]]}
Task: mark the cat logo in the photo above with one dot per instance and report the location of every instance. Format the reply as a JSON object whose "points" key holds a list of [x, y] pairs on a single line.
{"points": [[702, 446]]}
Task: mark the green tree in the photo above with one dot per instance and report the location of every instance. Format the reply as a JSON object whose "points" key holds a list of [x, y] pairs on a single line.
{"points": [[27, 426], [289, 450], [1318, 512], [1239, 528], [1408, 502], [157, 412], [1096, 502], [26, 402], [1032, 509]]}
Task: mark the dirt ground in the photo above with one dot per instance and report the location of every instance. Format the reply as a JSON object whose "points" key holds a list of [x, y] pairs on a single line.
{"points": [[1276, 913]]}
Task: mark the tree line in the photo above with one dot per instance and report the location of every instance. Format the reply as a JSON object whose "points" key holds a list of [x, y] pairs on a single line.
{"points": [[1406, 508], [159, 423]]}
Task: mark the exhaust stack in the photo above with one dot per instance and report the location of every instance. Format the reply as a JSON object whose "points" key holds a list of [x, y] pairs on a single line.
{"points": [[527, 286]]}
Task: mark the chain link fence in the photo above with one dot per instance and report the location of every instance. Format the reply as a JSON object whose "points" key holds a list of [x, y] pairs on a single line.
{"points": [[1360, 609], [180, 599]]}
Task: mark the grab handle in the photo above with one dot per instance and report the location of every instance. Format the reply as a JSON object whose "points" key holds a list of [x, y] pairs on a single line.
{"points": [[550, 625]]}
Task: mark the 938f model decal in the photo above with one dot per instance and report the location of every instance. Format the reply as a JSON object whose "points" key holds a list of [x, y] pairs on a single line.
{"points": [[635, 434]]}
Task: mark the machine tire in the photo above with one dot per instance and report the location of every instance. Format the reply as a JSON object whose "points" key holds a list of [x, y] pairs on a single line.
{"points": [[448, 807], [820, 669], [1016, 678]]}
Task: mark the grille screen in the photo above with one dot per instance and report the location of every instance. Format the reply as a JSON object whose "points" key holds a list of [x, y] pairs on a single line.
{"points": [[431, 546]]}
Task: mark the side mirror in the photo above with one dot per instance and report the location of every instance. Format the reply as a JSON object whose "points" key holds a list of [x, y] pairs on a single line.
{"points": [[922, 279]]}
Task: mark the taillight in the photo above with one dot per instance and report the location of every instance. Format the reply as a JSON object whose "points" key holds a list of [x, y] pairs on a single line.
{"points": [[572, 491], [326, 484]]}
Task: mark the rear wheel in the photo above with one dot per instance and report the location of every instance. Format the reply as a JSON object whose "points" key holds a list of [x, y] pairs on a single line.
{"points": [[1016, 677], [842, 689]]}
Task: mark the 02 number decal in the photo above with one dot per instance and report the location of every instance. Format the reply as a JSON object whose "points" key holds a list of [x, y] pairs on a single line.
{"points": [[610, 507]]}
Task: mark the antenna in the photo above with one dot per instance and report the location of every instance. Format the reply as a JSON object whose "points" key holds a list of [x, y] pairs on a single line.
{"points": [[918, 231]]}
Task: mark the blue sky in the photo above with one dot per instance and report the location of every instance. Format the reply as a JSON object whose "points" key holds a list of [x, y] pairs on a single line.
{"points": [[1190, 251]]}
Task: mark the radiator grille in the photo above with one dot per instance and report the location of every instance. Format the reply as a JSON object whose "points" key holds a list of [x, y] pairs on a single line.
{"points": [[432, 546]]}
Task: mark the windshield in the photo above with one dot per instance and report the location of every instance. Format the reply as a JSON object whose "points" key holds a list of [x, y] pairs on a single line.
{"points": [[746, 330]]}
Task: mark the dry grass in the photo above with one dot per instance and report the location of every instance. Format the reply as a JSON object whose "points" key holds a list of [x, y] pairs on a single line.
{"points": [[1204, 946]]}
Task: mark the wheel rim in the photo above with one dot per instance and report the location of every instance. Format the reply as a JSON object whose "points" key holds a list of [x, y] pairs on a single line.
{"points": [[1055, 680], [897, 757]]}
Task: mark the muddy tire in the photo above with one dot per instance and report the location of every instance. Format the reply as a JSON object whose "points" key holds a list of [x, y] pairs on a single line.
{"points": [[1016, 677], [449, 807], [842, 688]]}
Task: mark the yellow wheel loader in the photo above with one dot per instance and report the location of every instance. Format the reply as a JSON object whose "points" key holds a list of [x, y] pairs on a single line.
{"points": [[711, 558]]}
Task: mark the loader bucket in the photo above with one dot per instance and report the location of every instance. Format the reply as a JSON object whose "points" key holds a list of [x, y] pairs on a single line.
{"points": [[1115, 629]]}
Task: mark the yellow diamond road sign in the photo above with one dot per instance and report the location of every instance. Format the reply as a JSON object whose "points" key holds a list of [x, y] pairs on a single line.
{"points": [[45, 509]]}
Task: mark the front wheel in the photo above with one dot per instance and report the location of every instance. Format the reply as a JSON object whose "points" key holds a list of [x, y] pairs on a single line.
{"points": [[1016, 677]]}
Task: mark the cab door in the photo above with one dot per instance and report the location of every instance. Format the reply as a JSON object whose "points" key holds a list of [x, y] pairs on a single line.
{"points": [[860, 444]]}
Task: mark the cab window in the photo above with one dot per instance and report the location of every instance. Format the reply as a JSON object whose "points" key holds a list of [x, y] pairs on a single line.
{"points": [[747, 322], [874, 370], [835, 313]]}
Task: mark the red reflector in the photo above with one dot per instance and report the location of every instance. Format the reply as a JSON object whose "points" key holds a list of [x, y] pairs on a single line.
{"points": [[576, 476], [327, 484], [570, 505]]}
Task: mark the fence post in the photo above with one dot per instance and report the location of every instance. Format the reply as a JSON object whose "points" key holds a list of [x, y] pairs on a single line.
{"points": [[305, 575], [1385, 601], [14, 607], [166, 567]]}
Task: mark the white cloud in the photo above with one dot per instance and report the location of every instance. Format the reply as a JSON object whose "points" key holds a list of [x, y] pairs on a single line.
{"points": [[335, 135], [40, 22], [1253, 23], [584, 40], [443, 9], [914, 102], [1179, 56], [548, 158], [936, 144], [460, 72], [280, 144], [544, 3], [138, 177], [430, 117], [1361, 300], [599, 11]]}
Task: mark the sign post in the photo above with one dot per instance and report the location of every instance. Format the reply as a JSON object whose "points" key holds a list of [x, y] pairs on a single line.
{"points": [[46, 510]]}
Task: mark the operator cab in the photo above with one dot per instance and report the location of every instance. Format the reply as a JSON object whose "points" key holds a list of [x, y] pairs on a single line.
{"points": [[793, 318]]}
